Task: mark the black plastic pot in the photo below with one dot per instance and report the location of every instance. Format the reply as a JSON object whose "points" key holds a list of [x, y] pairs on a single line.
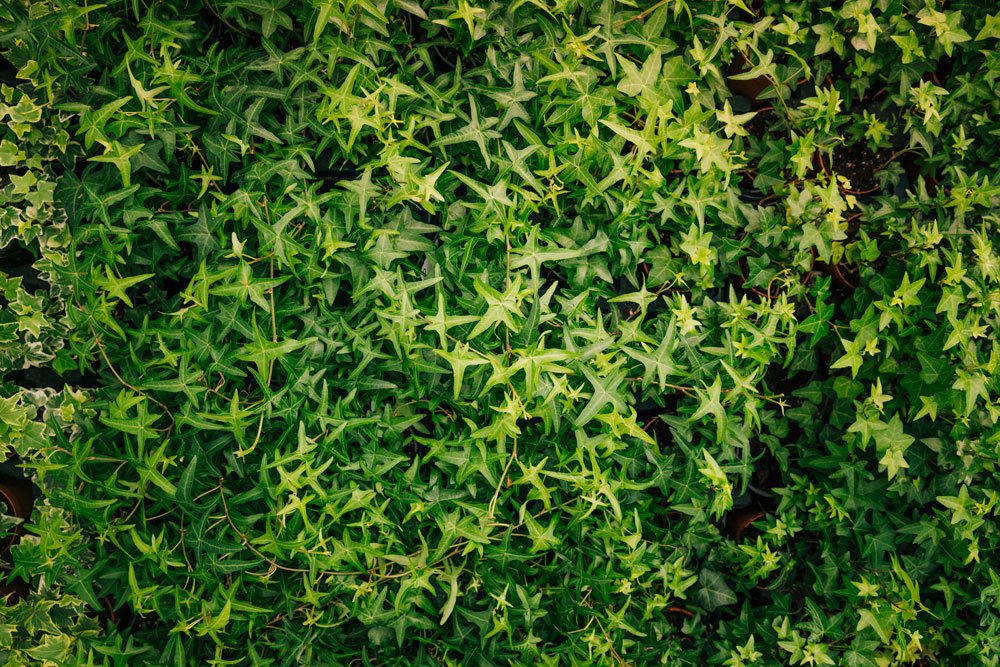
{"points": [[752, 89], [123, 617], [8, 73], [444, 55], [46, 378], [758, 129], [751, 194], [804, 90], [14, 591], [18, 261], [338, 171]]}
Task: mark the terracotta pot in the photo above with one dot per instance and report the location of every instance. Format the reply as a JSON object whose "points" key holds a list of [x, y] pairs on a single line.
{"points": [[19, 498], [738, 521]]}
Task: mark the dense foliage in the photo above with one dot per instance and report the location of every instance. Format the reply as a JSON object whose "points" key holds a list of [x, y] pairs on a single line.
{"points": [[569, 332]]}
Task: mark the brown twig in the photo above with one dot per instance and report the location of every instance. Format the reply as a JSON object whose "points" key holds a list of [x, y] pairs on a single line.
{"points": [[503, 476], [646, 12], [104, 355], [270, 561]]}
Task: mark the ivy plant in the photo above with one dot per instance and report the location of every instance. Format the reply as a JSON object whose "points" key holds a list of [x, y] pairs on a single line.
{"points": [[466, 332]]}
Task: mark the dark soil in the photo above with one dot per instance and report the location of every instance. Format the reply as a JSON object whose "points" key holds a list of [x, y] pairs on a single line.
{"points": [[761, 123], [658, 429], [336, 171], [859, 165], [415, 449]]}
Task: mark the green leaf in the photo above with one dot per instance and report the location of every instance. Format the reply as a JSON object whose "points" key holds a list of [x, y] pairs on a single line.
{"points": [[712, 591], [606, 391], [460, 358], [186, 482], [892, 443], [262, 352], [710, 403], [475, 131], [878, 620], [271, 16], [636, 80], [121, 158], [502, 308]]}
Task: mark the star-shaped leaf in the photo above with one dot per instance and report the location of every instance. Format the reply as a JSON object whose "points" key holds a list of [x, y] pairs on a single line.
{"points": [[461, 357], [606, 391]]}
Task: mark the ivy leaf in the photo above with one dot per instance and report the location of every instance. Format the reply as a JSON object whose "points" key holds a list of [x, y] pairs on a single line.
{"points": [[605, 392], [990, 29], [271, 16], [658, 365], [636, 81], [821, 236], [710, 403], [860, 654], [92, 123], [959, 505], [262, 352], [460, 358], [542, 539], [121, 157], [186, 482], [200, 233], [115, 287], [469, 15], [879, 620], [852, 358], [892, 443], [476, 131], [502, 308], [946, 25], [711, 151], [733, 123], [974, 386], [713, 592]]}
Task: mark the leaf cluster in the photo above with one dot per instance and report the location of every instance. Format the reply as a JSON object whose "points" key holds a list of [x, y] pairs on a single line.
{"points": [[479, 333]]}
